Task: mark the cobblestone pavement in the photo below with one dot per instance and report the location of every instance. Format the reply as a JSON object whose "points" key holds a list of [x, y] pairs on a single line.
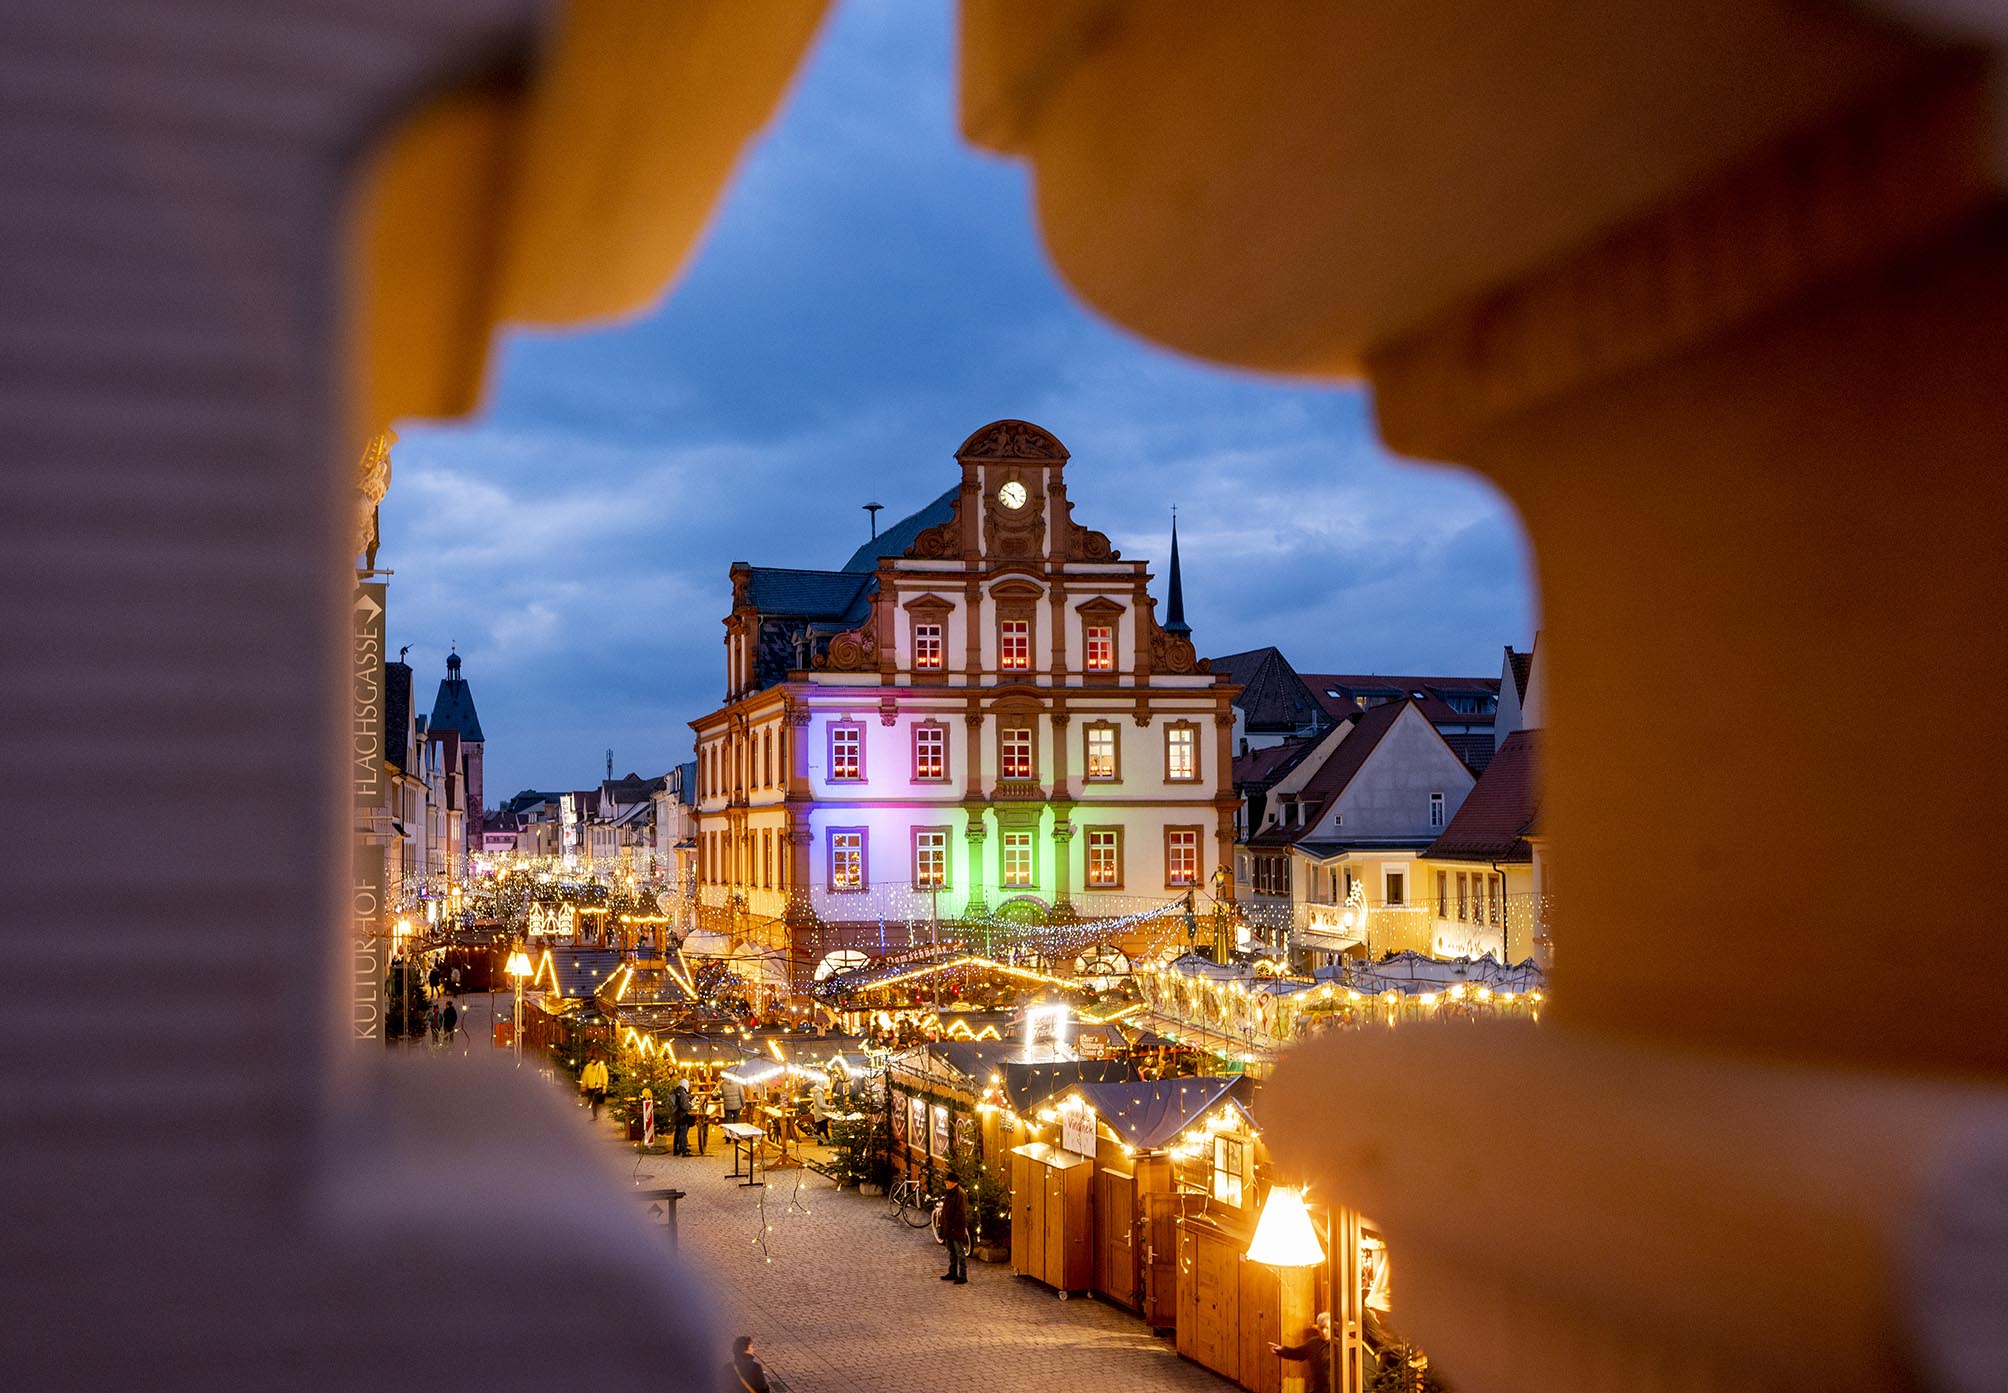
{"points": [[843, 1298]]}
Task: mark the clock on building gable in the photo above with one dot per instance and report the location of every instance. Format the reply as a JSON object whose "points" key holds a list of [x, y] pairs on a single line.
{"points": [[1014, 525]]}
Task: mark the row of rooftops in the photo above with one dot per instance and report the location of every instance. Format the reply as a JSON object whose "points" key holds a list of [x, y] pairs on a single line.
{"points": [[1497, 815]]}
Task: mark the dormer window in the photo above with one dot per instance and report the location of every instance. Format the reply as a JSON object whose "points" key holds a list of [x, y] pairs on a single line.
{"points": [[1436, 810]]}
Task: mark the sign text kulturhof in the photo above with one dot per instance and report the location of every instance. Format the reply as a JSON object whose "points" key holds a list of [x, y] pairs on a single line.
{"points": [[366, 781]]}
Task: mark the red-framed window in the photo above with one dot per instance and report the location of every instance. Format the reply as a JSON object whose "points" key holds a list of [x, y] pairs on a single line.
{"points": [[1181, 856], [1014, 645], [847, 751], [847, 858], [1015, 747], [1101, 648], [930, 752]]}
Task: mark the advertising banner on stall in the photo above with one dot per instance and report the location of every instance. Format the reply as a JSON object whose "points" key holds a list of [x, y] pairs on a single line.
{"points": [[1077, 1127], [367, 908]]}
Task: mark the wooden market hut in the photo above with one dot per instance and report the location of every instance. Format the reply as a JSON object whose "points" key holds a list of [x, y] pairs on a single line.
{"points": [[560, 1002], [1155, 1146], [981, 1097]]}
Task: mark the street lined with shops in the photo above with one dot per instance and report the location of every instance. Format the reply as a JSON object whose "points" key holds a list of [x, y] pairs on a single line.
{"points": [[842, 1296]]}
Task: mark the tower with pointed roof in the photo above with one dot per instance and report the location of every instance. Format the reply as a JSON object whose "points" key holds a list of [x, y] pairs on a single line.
{"points": [[1174, 594], [453, 709]]}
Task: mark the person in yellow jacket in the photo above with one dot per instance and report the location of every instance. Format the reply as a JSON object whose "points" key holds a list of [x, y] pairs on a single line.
{"points": [[593, 1081]]}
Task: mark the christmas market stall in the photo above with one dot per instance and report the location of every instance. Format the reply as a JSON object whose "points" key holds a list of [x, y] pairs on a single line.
{"points": [[1152, 1147], [561, 1009], [1411, 987], [967, 1103], [1238, 1013], [912, 986]]}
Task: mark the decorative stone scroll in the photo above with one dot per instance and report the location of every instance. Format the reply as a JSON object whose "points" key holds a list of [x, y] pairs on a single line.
{"points": [[1173, 653], [854, 650]]}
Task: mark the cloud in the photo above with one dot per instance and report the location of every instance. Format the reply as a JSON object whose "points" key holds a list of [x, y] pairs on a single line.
{"points": [[871, 291]]}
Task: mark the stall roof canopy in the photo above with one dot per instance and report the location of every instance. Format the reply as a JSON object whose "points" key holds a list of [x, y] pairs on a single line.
{"points": [[647, 986], [575, 972], [1413, 972], [1150, 1116], [1027, 1079]]}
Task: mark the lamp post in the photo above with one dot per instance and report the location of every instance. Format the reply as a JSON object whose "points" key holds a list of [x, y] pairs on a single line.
{"points": [[518, 968]]}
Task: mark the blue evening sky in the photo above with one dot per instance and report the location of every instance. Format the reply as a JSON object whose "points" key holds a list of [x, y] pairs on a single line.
{"points": [[870, 291]]}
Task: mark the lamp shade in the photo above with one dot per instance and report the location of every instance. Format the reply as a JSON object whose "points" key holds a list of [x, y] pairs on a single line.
{"points": [[519, 964], [1284, 1236]]}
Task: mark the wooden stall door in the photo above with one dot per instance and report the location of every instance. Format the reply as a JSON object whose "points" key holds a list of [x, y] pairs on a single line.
{"points": [[1261, 1371], [1215, 1305], [1079, 1271], [1028, 1236], [1159, 1260], [1058, 1220], [1115, 1237]]}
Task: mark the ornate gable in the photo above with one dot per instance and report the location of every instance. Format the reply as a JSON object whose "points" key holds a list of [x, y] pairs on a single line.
{"points": [[1017, 440]]}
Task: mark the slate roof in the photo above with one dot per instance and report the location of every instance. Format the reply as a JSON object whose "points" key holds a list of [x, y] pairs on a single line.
{"points": [[1428, 693], [1149, 1116], [453, 709], [1493, 821], [1270, 763], [1273, 697], [839, 596], [631, 788], [1475, 748], [895, 540]]}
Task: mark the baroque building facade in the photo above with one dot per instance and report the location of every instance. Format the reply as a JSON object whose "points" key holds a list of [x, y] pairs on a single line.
{"points": [[979, 714]]}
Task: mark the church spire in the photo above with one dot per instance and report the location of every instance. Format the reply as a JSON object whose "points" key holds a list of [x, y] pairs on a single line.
{"points": [[1174, 606]]}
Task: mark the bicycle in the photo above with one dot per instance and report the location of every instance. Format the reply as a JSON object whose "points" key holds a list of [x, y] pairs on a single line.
{"points": [[910, 1203]]}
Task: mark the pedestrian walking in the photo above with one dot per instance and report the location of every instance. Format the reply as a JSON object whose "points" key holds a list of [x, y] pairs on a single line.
{"points": [[593, 1081], [449, 1018], [456, 979], [680, 1112], [432, 1020], [732, 1097], [1316, 1352], [432, 981], [955, 1230], [745, 1368]]}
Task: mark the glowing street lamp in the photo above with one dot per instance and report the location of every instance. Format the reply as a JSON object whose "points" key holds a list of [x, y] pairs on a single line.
{"points": [[518, 968], [1284, 1235]]}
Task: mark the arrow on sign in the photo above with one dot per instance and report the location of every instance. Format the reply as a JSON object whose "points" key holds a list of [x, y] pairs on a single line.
{"points": [[368, 608]]}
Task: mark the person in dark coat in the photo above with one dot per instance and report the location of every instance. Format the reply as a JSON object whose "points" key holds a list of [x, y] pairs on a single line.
{"points": [[955, 1230], [449, 1018], [745, 1369], [1316, 1352], [680, 1114]]}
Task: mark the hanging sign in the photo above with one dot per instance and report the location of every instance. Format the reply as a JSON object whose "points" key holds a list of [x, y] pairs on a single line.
{"points": [[937, 1135], [366, 785], [1077, 1127]]}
